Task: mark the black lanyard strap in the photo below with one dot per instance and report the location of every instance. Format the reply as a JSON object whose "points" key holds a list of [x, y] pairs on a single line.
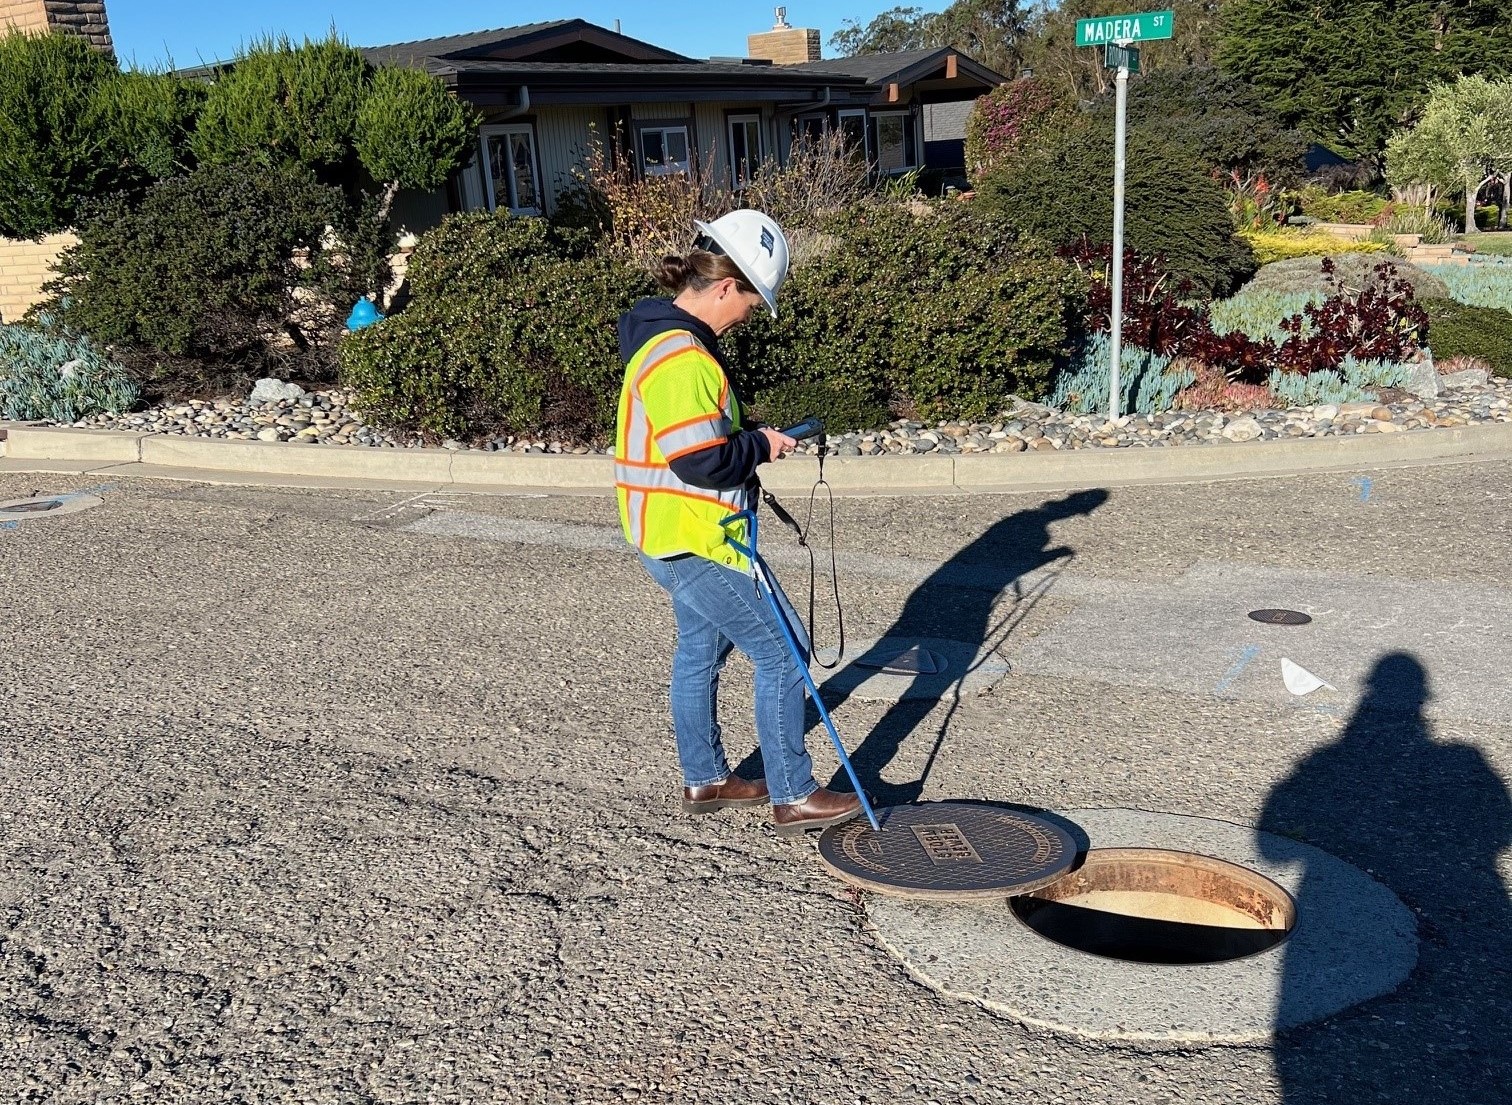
{"points": [[803, 533]]}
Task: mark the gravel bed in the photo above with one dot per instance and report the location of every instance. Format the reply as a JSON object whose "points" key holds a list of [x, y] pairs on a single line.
{"points": [[328, 418]]}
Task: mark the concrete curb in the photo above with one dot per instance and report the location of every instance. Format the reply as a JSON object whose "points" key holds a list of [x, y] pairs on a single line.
{"points": [[29, 448]]}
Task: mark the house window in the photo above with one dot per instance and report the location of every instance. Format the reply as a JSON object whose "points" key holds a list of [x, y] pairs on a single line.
{"points": [[664, 150], [810, 129], [510, 168], [853, 129], [745, 149], [895, 143]]}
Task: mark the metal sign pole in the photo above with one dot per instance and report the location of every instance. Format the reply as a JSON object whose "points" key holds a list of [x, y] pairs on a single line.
{"points": [[1116, 323]]}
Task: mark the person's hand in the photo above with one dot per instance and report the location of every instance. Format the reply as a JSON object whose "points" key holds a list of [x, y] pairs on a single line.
{"points": [[778, 443]]}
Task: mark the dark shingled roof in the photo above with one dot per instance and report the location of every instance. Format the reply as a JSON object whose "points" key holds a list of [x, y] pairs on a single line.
{"points": [[423, 52], [777, 74], [871, 67], [407, 52]]}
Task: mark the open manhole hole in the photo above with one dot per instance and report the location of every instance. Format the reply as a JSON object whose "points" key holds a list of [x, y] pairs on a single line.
{"points": [[1147, 905], [31, 506]]}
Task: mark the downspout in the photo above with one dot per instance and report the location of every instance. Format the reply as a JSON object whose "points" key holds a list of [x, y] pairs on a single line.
{"points": [[521, 108], [805, 105], [779, 110]]}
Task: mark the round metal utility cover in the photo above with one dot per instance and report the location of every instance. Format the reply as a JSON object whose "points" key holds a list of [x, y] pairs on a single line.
{"points": [[912, 661], [1280, 617], [949, 850], [46, 506]]}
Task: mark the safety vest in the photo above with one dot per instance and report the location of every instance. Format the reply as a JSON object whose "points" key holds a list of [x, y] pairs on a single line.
{"points": [[675, 401]]}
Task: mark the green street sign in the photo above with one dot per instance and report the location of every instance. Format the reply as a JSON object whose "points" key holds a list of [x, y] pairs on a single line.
{"points": [[1120, 57], [1135, 27]]}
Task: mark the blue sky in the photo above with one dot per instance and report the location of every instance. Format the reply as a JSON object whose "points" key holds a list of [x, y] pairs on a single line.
{"points": [[148, 33]]}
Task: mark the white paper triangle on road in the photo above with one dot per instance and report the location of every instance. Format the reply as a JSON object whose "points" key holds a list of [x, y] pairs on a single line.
{"points": [[1299, 680]]}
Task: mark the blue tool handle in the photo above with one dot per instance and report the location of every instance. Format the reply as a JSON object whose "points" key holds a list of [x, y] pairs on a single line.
{"points": [[767, 582], [809, 427]]}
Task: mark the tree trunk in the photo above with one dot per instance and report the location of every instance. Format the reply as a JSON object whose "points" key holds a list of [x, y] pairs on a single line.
{"points": [[1472, 193], [390, 190], [1506, 201]]}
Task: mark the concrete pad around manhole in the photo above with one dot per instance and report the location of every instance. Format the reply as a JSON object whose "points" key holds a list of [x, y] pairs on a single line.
{"points": [[1353, 940], [965, 669], [46, 506]]}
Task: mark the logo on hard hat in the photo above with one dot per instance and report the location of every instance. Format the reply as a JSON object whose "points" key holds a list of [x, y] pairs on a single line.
{"points": [[768, 243]]}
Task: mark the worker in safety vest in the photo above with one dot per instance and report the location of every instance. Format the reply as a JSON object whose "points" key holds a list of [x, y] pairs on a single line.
{"points": [[683, 462]]}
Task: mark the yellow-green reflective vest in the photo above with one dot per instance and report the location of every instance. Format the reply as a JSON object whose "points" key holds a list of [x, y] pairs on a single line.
{"points": [[675, 401]]}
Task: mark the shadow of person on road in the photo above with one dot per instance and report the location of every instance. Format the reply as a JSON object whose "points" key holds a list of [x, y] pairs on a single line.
{"points": [[961, 601], [1428, 819]]}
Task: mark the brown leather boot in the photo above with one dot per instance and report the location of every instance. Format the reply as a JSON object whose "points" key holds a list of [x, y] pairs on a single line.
{"points": [[734, 791], [818, 811]]}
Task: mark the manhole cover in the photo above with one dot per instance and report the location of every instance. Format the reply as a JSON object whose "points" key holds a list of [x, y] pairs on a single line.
{"points": [[913, 661], [949, 850], [48, 506], [1280, 617]]}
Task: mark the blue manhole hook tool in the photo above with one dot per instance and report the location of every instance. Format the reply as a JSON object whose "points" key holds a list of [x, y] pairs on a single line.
{"points": [[767, 584]]}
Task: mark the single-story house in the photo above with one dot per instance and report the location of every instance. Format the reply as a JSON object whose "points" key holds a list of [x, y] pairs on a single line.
{"points": [[548, 91]]}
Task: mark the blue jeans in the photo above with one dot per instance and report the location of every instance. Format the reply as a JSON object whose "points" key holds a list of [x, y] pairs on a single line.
{"points": [[717, 609]]}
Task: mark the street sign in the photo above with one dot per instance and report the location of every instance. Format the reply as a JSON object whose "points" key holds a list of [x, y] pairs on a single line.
{"points": [[1118, 36], [1121, 57], [1124, 29]]}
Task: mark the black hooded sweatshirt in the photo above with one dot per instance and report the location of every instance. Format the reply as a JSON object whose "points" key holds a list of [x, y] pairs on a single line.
{"points": [[722, 467]]}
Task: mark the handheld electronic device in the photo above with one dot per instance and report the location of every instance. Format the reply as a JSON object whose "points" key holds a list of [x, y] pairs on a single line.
{"points": [[809, 427]]}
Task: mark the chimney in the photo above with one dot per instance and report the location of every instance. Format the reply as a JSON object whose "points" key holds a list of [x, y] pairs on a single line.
{"points": [[85, 18], [783, 44]]}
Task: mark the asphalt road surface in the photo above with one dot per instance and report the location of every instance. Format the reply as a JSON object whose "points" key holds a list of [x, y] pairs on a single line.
{"points": [[355, 797]]}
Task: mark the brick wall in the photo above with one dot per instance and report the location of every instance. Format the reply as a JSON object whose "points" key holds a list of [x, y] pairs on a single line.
{"points": [[24, 268], [81, 17], [23, 15], [789, 46]]}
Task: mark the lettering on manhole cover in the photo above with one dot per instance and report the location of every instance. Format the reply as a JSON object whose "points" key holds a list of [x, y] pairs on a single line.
{"points": [[950, 850], [1280, 617]]}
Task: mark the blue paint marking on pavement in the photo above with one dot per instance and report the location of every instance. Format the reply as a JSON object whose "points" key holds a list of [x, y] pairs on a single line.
{"points": [[1246, 658], [1364, 483]]}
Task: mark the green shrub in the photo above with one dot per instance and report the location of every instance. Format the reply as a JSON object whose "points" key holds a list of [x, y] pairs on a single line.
{"points": [[506, 331], [1354, 381], [1464, 330], [48, 373], [1228, 125], [511, 329], [151, 117], [1011, 118], [202, 269], [1434, 230], [280, 103], [468, 253], [945, 312], [1356, 206], [410, 130], [1258, 312], [55, 153], [843, 410], [1306, 275], [1148, 382], [1477, 285], [1174, 209], [1281, 243]]}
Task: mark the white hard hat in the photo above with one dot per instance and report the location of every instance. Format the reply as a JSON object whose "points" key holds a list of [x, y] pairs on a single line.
{"points": [[756, 244]]}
